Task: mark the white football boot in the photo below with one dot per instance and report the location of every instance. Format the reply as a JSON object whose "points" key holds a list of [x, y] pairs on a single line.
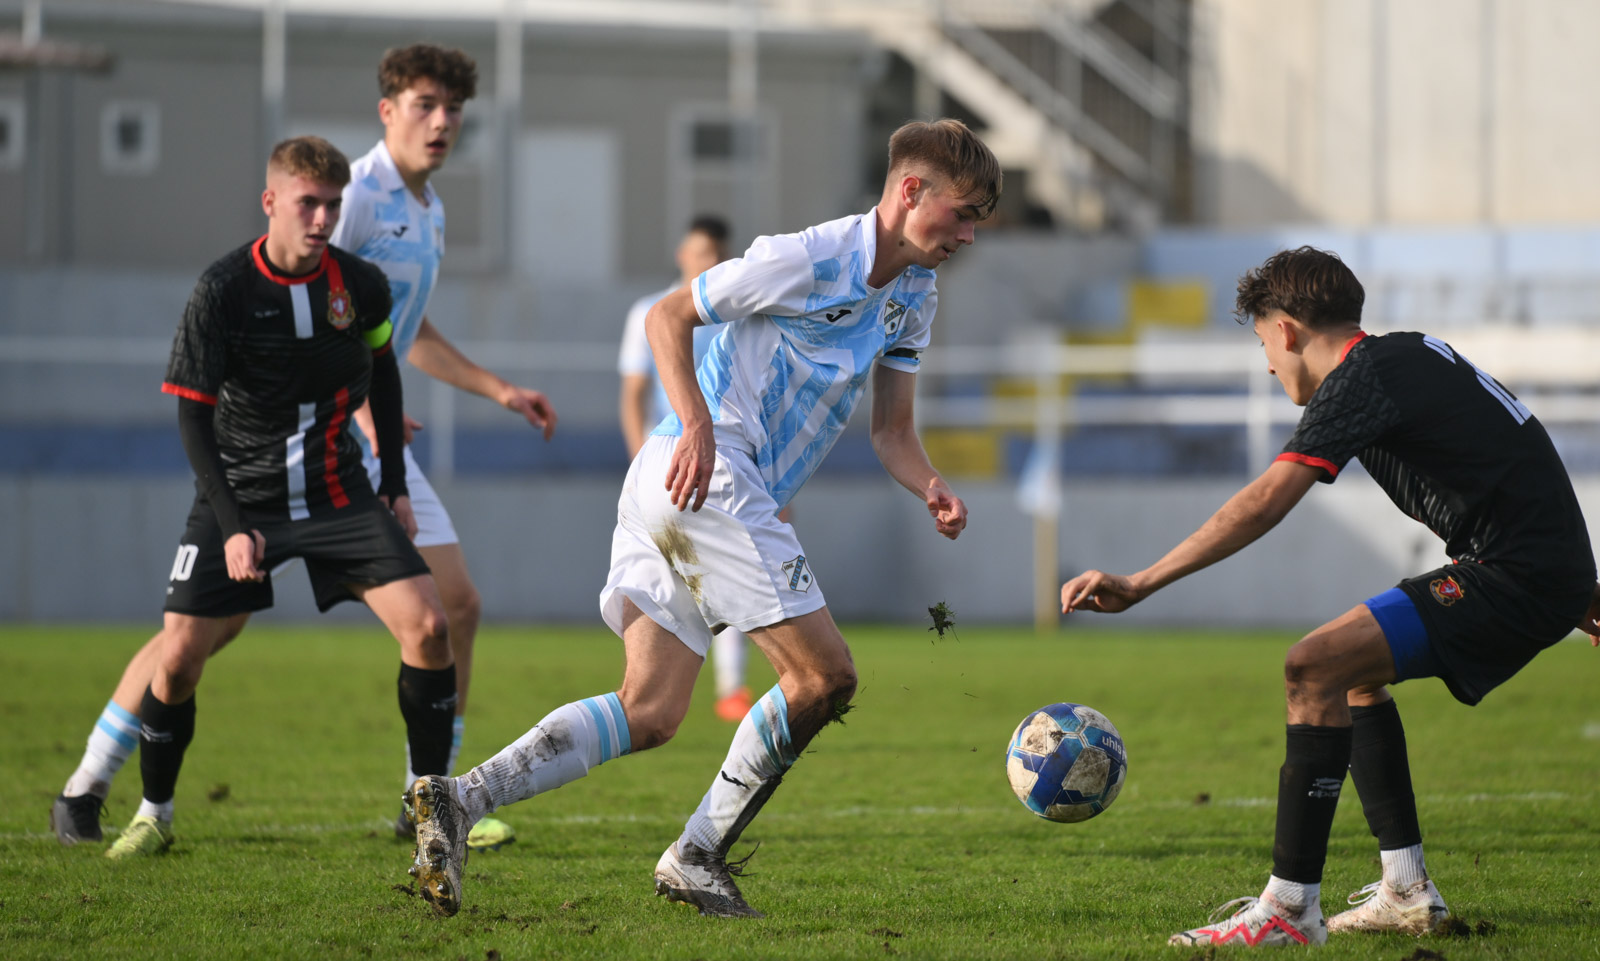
{"points": [[1417, 910], [441, 842], [690, 875], [1260, 922]]}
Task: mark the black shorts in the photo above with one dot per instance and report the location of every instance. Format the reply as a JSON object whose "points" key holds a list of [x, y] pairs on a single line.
{"points": [[1483, 626], [361, 544]]}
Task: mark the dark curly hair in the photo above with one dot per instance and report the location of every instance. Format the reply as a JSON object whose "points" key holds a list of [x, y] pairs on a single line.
{"points": [[1312, 286], [403, 66]]}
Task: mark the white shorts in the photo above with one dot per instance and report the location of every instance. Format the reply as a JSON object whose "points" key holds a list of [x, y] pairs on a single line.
{"points": [[732, 563], [433, 521]]}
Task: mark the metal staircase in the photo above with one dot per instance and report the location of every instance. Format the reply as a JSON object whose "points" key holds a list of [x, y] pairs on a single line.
{"points": [[1086, 96]]}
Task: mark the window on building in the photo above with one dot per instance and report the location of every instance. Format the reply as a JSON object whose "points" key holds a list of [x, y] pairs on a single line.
{"points": [[130, 137], [12, 142]]}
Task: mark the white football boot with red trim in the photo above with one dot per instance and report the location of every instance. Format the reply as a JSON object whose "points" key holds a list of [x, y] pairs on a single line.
{"points": [[1258, 923]]}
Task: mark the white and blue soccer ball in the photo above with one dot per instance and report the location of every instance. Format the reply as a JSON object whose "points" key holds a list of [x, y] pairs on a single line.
{"points": [[1066, 762]]}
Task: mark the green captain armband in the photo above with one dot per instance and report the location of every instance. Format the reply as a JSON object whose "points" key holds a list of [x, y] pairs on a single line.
{"points": [[379, 335]]}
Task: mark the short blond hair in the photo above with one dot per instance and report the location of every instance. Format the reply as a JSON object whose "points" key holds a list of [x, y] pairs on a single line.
{"points": [[312, 158], [949, 150]]}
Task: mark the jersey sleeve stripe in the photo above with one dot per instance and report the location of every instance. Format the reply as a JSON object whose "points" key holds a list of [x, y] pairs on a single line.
{"points": [[702, 300], [1309, 461], [187, 393]]}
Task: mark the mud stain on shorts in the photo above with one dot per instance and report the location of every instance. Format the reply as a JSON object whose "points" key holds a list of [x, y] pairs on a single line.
{"points": [[674, 544]]}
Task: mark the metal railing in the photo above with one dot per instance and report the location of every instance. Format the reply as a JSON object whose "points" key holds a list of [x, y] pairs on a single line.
{"points": [[1170, 383]]}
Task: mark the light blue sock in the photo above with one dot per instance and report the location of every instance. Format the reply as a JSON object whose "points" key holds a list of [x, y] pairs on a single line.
{"points": [[456, 729], [760, 754], [558, 750]]}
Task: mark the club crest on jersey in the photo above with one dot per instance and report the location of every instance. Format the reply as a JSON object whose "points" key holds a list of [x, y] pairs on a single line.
{"points": [[1446, 591], [340, 310], [799, 574], [893, 313]]}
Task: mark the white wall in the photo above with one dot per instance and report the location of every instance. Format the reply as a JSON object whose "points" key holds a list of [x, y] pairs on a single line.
{"points": [[1397, 111]]}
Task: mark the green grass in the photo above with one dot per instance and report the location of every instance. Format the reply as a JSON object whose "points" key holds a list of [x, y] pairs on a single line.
{"points": [[895, 836]]}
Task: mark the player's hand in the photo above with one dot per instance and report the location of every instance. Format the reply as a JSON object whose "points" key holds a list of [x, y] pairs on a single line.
{"points": [[1099, 591], [1590, 624], [408, 427], [949, 511], [533, 405], [244, 553], [689, 474], [400, 507]]}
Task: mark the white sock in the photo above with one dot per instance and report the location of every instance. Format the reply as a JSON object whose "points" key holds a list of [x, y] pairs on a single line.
{"points": [[727, 655], [1403, 868], [1295, 895], [161, 812], [558, 750], [112, 741], [760, 754]]}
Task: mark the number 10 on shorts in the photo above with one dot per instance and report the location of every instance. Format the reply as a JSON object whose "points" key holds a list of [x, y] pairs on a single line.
{"points": [[183, 564]]}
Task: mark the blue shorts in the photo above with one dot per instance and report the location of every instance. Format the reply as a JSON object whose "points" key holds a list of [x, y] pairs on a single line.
{"points": [[1407, 636]]}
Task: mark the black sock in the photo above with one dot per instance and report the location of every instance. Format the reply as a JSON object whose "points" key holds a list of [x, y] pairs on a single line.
{"points": [[1382, 775], [1308, 793], [428, 703], [165, 731]]}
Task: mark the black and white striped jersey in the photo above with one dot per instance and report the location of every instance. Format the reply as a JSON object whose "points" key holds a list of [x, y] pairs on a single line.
{"points": [[285, 360], [1453, 448]]}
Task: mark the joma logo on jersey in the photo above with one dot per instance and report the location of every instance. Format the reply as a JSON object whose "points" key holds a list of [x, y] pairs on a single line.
{"points": [[893, 313], [1446, 591], [799, 574], [340, 310]]}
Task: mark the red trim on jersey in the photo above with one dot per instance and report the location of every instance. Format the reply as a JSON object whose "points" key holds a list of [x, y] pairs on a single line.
{"points": [[1353, 341], [330, 449], [188, 394], [388, 345], [1309, 461], [267, 271]]}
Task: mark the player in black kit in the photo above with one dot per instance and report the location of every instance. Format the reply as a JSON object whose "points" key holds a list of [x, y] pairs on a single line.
{"points": [[281, 341], [1458, 452]]}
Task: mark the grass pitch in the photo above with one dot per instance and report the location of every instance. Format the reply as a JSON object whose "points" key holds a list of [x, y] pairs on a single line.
{"points": [[895, 836]]}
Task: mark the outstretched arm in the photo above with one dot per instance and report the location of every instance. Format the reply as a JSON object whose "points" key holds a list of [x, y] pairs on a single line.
{"points": [[438, 358], [1245, 517], [900, 450]]}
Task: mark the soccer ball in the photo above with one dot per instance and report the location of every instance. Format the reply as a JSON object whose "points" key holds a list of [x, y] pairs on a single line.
{"points": [[1066, 762]]}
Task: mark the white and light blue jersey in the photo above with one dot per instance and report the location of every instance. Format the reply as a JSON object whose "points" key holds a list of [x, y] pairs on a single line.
{"points": [[383, 222], [803, 333], [635, 356]]}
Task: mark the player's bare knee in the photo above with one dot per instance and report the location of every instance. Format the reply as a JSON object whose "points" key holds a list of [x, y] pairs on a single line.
{"points": [[650, 725], [428, 638], [463, 607]]}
